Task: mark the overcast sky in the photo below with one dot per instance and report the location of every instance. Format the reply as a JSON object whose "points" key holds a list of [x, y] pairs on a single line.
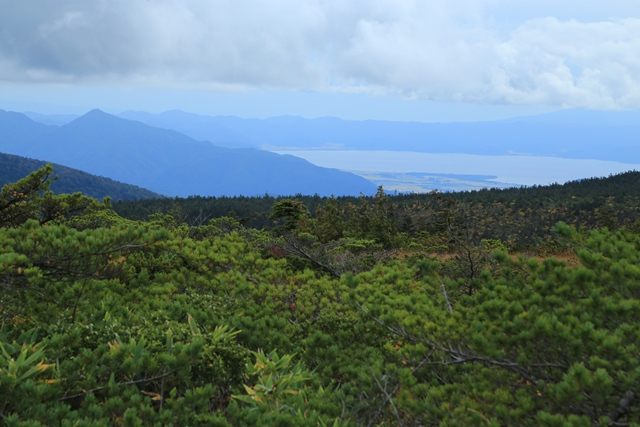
{"points": [[397, 59]]}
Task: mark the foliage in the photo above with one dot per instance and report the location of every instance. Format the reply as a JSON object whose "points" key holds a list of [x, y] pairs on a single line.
{"points": [[109, 321], [30, 198]]}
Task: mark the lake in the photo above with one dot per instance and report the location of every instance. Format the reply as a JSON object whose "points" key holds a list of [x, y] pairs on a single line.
{"points": [[414, 171]]}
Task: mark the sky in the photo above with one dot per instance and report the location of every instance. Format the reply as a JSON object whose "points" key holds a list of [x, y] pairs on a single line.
{"points": [[427, 60]]}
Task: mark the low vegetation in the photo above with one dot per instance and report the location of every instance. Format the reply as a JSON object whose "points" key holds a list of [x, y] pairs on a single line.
{"points": [[517, 307]]}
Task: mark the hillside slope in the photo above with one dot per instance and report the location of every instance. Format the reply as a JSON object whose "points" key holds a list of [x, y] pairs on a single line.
{"points": [[67, 180]]}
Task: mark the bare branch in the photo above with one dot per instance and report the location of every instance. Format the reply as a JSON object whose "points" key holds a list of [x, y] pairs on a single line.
{"points": [[389, 399], [296, 249], [93, 390], [459, 355], [623, 407], [446, 297]]}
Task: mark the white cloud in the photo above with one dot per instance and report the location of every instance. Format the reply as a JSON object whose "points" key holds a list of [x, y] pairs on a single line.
{"points": [[471, 50], [568, 62]]}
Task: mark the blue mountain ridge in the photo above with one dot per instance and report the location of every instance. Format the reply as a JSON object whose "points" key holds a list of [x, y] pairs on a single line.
{"points": [[168, 162], [579, 134]]}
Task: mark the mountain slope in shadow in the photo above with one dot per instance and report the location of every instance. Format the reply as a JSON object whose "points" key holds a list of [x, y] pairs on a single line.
{"points": [[68, 180]]}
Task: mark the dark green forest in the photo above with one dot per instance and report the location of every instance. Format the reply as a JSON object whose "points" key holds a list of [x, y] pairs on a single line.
{"points": [[515, 307], [68, 180], [522, 218]]}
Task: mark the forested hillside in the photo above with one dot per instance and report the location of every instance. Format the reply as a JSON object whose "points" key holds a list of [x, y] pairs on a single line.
{"points": [[520, 217], [67, 180], [338, 315]]}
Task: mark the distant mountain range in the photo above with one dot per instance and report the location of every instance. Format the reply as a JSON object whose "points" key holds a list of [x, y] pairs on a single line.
{"points": [[67, 180], [168, 162], [570, 134]]}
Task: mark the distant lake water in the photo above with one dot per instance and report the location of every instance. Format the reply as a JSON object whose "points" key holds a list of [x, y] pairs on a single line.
{"points": [[515, 170]]}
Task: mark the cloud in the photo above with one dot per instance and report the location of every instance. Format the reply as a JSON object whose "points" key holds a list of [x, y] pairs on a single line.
{"points": [[468, 50], [573, 63]]}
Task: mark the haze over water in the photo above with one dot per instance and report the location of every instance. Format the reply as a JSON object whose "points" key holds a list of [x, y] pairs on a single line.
{"points": [[515, 170]]}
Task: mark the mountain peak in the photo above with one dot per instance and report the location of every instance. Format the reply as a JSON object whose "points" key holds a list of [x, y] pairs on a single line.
{"points": [[96, 112], [96, 117], [16, 118]]}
